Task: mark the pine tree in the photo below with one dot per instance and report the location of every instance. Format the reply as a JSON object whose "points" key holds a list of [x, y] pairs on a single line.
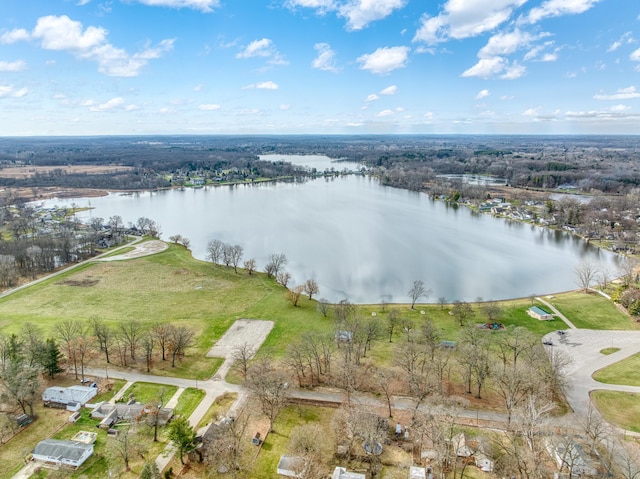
{"points": [[51, 358]]}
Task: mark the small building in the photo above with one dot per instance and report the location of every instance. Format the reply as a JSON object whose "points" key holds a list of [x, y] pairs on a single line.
{"points": [[484, 462], [539, 313], [416, 472], [62, 453], [111, 414], [342, 473], [58, 396], [290, 466]]}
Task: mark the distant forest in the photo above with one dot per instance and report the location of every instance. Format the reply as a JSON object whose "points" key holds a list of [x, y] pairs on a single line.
{"points": [[607, 164]]}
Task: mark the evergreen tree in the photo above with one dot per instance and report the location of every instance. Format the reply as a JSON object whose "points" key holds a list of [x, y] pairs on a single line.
{"points": [[150, 471], [182, 435], [50, 359]]}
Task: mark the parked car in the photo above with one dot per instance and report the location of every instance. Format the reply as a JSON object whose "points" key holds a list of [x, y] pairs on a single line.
{"points": [[547, 343]]}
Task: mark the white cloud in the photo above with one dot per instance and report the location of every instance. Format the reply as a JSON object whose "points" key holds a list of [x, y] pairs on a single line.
{"points": [[622, 94], [556, 8], [549, 57], [285, 107], [359, 13], [464, 18], [202, 5], [62, 33], [322, 6], [384, 60], [384, 113], [209, 107], [506, 43], [514, 71], [267, 85], [108, 105], [627, 38], [635, 55], [619, 108], [19, 34], [390, 90], [10, 91], [485, 68], [482, 94], [372, 97], [197, 88], [263, 48], [131, 107], [532, 111], [16, 66], [326, 59]]}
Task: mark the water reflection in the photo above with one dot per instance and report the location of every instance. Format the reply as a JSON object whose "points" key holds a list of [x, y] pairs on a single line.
{"points": [[363, 241]]}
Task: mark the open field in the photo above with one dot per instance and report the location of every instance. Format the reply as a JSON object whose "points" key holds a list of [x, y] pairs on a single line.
{"points": [[621, 409], [29, 171], [592, 311]]}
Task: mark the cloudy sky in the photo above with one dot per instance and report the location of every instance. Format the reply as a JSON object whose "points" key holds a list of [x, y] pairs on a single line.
{"points": [[88, 67]]}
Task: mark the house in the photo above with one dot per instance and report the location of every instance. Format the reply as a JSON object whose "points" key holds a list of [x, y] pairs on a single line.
{"points": [[417, 472], [570, 456], [62, 453], [539, 313], [484, 462], [290, 466], [111, 414], [76, 396], [342, 473]]}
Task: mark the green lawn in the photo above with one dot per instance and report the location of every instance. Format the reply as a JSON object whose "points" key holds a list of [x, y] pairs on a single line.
{"points": [[625, 372], [619, 408], [188, 401], [592, 311], [147, 392]]}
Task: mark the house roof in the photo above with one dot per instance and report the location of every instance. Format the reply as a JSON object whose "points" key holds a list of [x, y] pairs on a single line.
{"points": [[342, 473], [539, 310], [62, 449]]}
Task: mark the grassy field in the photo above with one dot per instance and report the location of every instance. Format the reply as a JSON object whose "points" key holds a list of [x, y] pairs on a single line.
{"points": [[619, 408], [188, 401], [592, 311], [626, 372], [144, 393]]}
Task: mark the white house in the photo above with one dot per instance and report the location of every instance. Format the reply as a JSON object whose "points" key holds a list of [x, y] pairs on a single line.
{"points": [[64, 396], [62, 453]]}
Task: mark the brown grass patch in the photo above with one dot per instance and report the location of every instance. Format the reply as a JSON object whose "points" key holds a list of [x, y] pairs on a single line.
{"points": [[82, 283], [31, 171]]}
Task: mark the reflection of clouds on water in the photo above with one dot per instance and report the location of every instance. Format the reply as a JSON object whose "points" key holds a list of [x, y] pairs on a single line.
{"points": [[363, 241]]}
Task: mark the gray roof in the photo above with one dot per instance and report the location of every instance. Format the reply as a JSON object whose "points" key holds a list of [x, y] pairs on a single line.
{"points": [[60, 449]]}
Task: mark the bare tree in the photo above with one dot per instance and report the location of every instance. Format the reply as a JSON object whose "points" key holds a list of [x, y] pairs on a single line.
{"points": [[393, 321], [323, 306], [586, 272], [277, 261], [124, 446], [21, 382], [68, 330], [181, 338], [104, 334], [148, 345], [311, 287], [269, 385], [442, 301], [283, 278], [241, 356], [132, 331], [226, 446], [162, 333], [215, 249], [250, 265], [308, 442], [492, 310], [293, 294], [418, 291], [235, 253], [461, 311]]}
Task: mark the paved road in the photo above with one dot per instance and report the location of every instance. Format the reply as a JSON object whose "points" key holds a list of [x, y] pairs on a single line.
{"points": [[583, 347]]}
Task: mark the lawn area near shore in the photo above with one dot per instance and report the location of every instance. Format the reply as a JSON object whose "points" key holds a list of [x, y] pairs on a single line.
{"points": [[592, 311], [621, 409]]}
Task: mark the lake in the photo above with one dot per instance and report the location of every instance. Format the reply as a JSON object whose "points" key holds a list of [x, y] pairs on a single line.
{"points": [[362, 241]]}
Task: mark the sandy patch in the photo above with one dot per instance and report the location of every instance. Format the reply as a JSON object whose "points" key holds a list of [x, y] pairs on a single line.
{"points": [[250, 331], [142, 249], [30, 171]]}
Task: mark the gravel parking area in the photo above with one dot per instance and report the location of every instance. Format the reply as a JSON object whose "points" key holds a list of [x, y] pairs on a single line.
{"points": [[142, 249], [250, 331]]}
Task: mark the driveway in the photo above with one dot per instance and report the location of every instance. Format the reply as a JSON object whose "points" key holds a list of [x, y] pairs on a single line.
{"points": [[582, 347]]}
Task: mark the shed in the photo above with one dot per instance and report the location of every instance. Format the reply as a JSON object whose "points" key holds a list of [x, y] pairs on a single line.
{"points": [[62, 453], [342, 473], [540, 314], [64, 396], [416, 472], [290, 466]]}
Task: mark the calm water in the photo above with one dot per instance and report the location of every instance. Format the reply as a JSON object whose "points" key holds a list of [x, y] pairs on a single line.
{"points": [[363, 241]]}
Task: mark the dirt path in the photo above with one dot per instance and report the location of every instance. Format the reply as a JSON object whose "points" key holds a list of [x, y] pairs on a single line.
{"points": [[142, 249]]}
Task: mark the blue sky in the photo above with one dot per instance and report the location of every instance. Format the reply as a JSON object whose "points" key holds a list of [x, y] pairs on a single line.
{"points": [[93, 67]]}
